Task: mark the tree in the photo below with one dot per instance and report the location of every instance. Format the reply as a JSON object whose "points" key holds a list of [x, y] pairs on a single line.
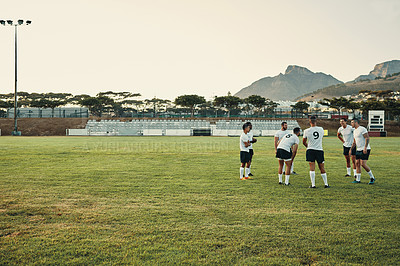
{"points": [[352, 105], [7, 100], [392, 107], [76, 99], [228, 102], [131, 105], [120, 101], [270, 106], [97, 105], [301, 106], [156, 103], [371, 104], [207, 109], [113, 103], [39, 100], [24, 98], [48, 100], [336, 103], [190, 101], [256, 101]]}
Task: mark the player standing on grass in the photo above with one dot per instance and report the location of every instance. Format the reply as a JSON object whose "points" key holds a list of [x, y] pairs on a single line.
{"points": [[361, 141], [315, 151], [244, 153], [345, 134], [252, 140], [278, 136], [286, 151]]}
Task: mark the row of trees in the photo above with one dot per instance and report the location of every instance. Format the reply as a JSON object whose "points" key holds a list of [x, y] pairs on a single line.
{"points": [[254, 103], [122, 103], [126, 103], [370, 100]]}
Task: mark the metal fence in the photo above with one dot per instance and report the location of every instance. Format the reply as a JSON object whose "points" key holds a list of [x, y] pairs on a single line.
{"points": [[46, 112], [83, 112], [278, 113]]}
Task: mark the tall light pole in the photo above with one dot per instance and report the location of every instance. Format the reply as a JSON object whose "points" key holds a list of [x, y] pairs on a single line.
{"points": [[20, 22]]}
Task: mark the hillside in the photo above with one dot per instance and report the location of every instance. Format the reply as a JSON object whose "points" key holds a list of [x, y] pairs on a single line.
{"points": [[41, 126], [382, 70], [352, 88], [295, 82]]}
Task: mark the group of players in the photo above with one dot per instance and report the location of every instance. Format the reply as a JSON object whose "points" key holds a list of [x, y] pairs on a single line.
{"points": [[354, 137]]}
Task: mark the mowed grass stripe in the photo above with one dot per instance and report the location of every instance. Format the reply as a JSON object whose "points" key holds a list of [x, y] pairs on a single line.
{"points": [[146, 200]]}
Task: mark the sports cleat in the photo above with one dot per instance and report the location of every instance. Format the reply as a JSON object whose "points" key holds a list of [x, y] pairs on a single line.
{"points": [[356, 182], [327, 186], [294, 173], [347, 175], [242, 178], [280, 183], [248, 178], [287, 184], [312, 187], [250, 174], [371, 181]]}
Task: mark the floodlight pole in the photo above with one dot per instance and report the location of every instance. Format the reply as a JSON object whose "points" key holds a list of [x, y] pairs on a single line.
{"points": [[16, 24], [15, 132]]}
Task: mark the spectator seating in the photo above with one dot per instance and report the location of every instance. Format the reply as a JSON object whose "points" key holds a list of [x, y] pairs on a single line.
{"points": [[260, 127], [156, 127]]}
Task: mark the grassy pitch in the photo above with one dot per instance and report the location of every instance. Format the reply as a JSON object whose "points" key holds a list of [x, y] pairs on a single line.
{"points": [[147, 200]]}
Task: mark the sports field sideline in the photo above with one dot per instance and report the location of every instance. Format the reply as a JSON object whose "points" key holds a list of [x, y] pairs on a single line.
{"points": [[146, 200]]}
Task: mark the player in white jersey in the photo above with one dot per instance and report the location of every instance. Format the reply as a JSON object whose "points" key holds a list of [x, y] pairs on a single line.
{"points": [[345, 134], [244, 153], [278, 136], [286, 151], [252, 140], [315, 151], [361, 142]]}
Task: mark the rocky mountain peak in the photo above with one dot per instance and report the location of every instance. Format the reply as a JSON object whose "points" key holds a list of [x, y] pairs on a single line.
{"points": [[293, 69], [382, 70], [296, 81]]}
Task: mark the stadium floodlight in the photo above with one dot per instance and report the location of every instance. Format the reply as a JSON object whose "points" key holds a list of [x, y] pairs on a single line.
{"points": [[20, 22]]}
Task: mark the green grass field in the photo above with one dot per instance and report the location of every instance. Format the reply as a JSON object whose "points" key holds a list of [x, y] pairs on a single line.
{"points": [[178, 200]]}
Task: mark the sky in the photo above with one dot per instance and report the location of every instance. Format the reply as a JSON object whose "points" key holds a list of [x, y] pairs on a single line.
{"points": [[168, 48]]}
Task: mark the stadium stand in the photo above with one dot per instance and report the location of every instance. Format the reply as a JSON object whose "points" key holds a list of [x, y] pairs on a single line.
{"points": [[260, 127], [157, 127]]}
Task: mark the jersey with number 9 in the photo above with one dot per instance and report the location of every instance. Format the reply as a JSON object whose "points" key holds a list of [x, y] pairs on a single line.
{"points": [[314, 137]]}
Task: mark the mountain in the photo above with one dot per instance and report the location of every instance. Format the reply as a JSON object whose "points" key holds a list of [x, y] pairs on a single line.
{"points": [[352, 88], [295, 82], [382, 70], [384, 76]]}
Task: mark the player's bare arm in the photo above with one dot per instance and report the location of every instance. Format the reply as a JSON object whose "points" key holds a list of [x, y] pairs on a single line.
{"points": [[294, 150], [353, 145], [366, 136], [340, 137], [305, 142], [276, 142]]}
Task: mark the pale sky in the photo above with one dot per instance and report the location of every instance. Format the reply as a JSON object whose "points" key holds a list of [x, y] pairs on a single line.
{"points": [[167, 48]]}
